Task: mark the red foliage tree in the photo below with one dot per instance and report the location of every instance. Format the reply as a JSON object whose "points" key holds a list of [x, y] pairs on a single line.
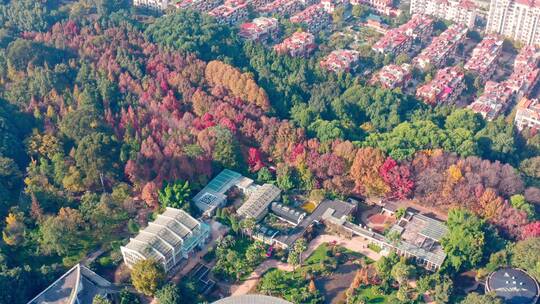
{"points": [[531, 230], [398, 178], [255, 159]]}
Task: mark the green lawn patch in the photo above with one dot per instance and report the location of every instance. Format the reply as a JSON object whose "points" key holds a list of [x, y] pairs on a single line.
{"points": [[319, 254], [371, 295]]}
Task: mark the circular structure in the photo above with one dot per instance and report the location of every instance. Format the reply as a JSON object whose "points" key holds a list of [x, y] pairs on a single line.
{"points": [[251, 299], [515, 286]]}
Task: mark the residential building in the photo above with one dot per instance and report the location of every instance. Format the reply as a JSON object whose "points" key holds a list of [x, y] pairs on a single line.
{"points": [[384, 7], [446, 87], [282, 7], [393, 76], [497, 97], [516, 19], [79, 285], [528, 114], [299, 44], [158, 5], [213, 195], [231, 12], [459, 11], [330, 6], [400, 39], [483, 61], [256, 205], [493, 101], [199, 5], [170, 239], [260, 29], [315, 17], [341, 61], [441, 48]]}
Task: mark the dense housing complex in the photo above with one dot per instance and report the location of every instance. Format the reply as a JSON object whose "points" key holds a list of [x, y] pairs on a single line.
{"points": [[400, 40], [315, 17], [170, 239], [515, 19], [384, 7], [483, 61], [497, 97], [198, 5], [441, 48], [231, 12], [458, 11], [446, 87], [159, 5]]}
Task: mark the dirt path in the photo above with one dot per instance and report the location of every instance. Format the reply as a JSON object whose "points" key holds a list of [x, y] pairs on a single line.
{"points": [[356, 244]]}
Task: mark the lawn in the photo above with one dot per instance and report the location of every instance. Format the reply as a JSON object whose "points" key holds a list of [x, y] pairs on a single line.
{"points": [[371, 295], [318, 254]]}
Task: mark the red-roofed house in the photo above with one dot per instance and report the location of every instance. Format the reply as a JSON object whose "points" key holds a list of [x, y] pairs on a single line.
{"points": [[393, 76], [231, 12], [340, 61], [315, 17], [298, 44], [484, 57], [260, 29], [528, 114], [441, 47], [446, 87], [400, 40]]}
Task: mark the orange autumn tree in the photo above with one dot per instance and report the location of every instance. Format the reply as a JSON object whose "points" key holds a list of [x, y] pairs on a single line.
{"points": [[490, 204], [241, 85], [365, 171]]}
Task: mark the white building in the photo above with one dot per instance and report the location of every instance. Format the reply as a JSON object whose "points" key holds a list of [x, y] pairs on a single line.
{"points": [[515, 19], [458, 11], [171, 238], [159, 5], [528, 114]]}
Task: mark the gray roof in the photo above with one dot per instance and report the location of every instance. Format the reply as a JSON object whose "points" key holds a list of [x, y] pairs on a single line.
{"points": [[78, 283], [338, 210], [515, 286], [420, 236], [287, 213], [258, 202], [252, 299]]}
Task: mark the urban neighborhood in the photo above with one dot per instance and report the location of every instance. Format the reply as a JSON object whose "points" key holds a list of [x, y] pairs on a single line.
{"points": [[270, 151]]}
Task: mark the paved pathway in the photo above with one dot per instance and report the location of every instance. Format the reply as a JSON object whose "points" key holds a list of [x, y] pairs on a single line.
{"points": [[355, 244]]}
